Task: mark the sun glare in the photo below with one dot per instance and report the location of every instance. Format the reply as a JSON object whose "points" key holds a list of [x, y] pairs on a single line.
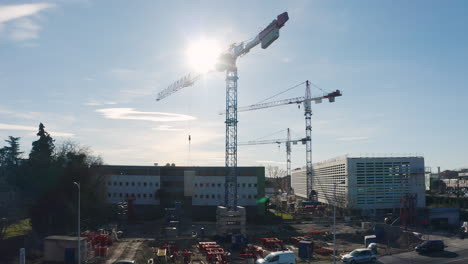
{"points": [[203, 55]]}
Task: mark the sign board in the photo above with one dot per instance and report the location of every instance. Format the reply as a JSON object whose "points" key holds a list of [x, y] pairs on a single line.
{"points": [[22, 256]]}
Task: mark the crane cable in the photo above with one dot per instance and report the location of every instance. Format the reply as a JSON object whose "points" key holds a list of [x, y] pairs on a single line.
{"points": [[295, 86]]}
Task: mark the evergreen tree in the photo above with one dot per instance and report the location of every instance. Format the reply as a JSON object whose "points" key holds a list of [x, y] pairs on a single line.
{"points": [[12, 151], [42, 149]]}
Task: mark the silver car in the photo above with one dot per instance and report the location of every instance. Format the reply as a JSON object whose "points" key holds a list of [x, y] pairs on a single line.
{"points": [[361, 255]]}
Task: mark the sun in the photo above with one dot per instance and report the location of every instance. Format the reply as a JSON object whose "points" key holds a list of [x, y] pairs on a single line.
{"points": [[202, 55]]}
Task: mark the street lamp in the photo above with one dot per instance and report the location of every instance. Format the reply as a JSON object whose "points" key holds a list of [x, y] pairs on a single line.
{"points": [[78, 231], [334, 221]]}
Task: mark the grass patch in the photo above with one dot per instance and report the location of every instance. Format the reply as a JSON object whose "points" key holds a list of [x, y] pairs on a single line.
{"points": [[284, 216], [18, 229]]}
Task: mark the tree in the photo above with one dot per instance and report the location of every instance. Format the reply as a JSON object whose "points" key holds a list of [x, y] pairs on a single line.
{"points": [[12, 151], [42, 149], [54, 210], [276, 176]]}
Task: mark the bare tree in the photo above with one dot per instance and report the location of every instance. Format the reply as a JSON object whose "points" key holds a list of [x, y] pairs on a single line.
{"points": [[276, 176]]}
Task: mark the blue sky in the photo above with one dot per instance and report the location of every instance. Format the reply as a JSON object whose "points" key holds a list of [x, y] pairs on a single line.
{"points": [[90, 71]]}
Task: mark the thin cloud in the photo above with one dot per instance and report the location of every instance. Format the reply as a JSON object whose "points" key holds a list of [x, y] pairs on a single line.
{"points": [[22, 26], [14, 127], [352, 138], [131, 114], [97, 103], [167, 128], [11, 12]]}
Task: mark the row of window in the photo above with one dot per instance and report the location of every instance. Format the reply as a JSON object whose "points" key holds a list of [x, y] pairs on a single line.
{"points": [[144, 184], [207, 196], [127, 195], [219, 185]]}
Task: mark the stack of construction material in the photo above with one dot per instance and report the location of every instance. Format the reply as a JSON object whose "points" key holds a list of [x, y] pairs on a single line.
{"points": [[230, 222]]}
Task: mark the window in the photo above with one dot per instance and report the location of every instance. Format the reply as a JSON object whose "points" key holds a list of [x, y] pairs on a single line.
{"points": [[196, 195], [109, 195], [126, 184], [196, 184], [243, 196], [133, 195], [114, 195], [133, 183], [243, 185], [238, 185], [212, 185], [109, 183], [150, 195], [212, 196], [255, 185], [201, 184], [150, 184], [126, 195], [207, 185], [156, 184], [201, 196], [115, 183], [219, 184], [250, 196], [144, 195], [139, 183], [120, 183], [139, 195], [250, 185], [219, 196], [120, 194]]}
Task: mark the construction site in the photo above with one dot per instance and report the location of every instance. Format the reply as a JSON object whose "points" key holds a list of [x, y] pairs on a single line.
{"points": [[219, 204]]}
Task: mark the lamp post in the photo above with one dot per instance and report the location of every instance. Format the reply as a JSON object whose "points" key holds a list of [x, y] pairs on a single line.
{"points": [[334, 221], [78, 235]]}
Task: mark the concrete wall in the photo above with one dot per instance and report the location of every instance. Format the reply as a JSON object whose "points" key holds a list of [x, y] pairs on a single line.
{"points": [[54, 248]]}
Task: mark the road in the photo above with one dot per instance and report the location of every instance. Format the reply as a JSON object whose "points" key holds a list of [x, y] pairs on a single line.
{"points": [[455, 253]]}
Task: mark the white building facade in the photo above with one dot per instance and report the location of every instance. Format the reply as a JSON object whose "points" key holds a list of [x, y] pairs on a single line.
{"points": [[202, 186], [366, 183], [141, 188]]}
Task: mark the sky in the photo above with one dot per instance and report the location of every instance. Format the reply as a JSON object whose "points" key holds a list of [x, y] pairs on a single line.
{"points": [[90, 71]]}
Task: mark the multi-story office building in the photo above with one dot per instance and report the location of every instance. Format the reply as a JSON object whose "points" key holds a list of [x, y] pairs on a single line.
{"points": [[200, 187], [371, 183]]}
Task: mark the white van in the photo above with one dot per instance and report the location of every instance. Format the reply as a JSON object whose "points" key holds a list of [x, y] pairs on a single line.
{"points": [[278, 257]]}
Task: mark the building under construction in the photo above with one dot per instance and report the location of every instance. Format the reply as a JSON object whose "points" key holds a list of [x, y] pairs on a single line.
{"points": [[372, 185]]}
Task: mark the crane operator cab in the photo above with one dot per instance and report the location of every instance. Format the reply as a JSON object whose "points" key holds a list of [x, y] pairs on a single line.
{"points": [[279, 257]]}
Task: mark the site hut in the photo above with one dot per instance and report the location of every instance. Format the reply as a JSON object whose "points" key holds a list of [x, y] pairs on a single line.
{"points": [[372, 186], [200, 189]]}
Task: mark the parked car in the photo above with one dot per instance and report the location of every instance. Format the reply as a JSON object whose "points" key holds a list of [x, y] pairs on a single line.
{"points": [[430, 246], [361, 255], [278, 257]]}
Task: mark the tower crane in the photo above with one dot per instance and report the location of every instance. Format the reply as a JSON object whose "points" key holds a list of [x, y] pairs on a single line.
{"points": [[227, 63], [286, 141], [306, 100]]}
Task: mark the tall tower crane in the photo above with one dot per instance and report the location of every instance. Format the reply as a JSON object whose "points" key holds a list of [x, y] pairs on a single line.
{"points": [[306, 100], [286, 141], [227, 63]]}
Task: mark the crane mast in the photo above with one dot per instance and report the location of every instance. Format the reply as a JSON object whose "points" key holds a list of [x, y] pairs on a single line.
{"points": [[306, 100], [287, 142], [308, 130], [227, 63]]}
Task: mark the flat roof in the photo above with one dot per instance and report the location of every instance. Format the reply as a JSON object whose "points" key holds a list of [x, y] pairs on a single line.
{"points": [[64, 238]]}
